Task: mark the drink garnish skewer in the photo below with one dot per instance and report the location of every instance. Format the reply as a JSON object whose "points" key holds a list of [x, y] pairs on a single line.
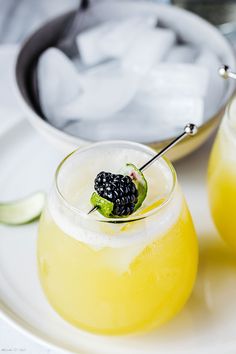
{"points": [[128, 202], [226, 72]]}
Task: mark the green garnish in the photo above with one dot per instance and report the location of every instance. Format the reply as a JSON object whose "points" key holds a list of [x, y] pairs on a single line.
{"points": [[104, 206], [139, 181], [119, 195], [22, 211]]}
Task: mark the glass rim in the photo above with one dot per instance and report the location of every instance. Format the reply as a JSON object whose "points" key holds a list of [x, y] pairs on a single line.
{"points": [[130, 218], [229, 108]]}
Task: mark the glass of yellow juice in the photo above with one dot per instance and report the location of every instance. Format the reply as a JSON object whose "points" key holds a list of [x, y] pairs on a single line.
{"points": [[222, 177], [116, 275]]}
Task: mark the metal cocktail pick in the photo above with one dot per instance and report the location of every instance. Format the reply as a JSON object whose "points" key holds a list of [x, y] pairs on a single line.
{"points": [[226, 72], [189, 130]]}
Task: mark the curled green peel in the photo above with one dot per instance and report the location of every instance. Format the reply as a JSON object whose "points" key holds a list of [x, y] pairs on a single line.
{"points": [[139, 181], [22, 211]]}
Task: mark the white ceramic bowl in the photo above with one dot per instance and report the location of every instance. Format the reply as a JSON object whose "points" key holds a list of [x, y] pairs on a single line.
{"points": [[202, 33]]}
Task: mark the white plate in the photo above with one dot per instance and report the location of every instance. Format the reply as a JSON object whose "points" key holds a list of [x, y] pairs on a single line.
{"points": [[206, 325]]}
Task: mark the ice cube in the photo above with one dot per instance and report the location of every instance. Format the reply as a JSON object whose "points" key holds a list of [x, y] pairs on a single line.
{"points": [[104, 94], [67, 95], [148, 48], [121, 259], [175, 110], [57, 82], [116, 42], [180, 79], [216, 85], [145, 119], [125, 125], [110, 39], [182, 54], [88, 43]]}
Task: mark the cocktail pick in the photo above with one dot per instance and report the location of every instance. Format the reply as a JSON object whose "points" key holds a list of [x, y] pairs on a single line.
{"points": [[226, 72], [189, 130]]}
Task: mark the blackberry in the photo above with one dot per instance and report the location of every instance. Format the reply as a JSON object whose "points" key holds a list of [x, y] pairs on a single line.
{"points": [[119, 194], [118, 189]]}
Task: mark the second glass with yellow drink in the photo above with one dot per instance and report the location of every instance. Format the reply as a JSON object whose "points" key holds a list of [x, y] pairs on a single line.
{"points": [[222, 177]]}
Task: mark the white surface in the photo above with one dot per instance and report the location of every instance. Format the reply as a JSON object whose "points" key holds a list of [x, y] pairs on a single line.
{"points": [[206, 325], [13, 341], [10, 115]]}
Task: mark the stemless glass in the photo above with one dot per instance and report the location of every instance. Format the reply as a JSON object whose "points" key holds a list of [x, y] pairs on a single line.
{"points": [[118, 275], [222, 177]]}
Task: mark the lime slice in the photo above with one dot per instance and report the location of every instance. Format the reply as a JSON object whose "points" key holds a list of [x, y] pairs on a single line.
{"points": [[139, 181], [22, 211], [104, 206]]}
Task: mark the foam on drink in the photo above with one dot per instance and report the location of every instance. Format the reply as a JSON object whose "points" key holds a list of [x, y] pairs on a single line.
{"points": [[75, 182]]}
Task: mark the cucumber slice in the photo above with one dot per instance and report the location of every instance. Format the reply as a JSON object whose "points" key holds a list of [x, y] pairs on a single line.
{"points": [[22, 211], [139, 181]]}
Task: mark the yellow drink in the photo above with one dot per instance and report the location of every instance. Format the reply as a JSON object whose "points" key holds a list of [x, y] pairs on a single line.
{"points": [[222, 178], [128, 276]]}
